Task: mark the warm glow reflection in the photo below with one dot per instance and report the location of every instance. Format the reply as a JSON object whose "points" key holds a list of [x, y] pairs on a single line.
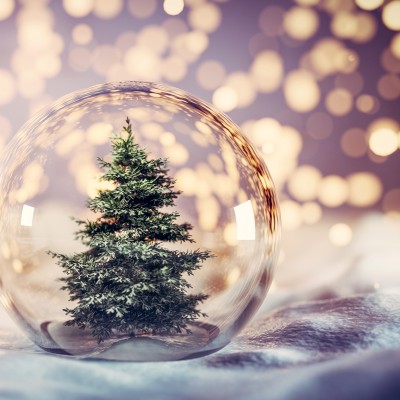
{"points": [[340, 234], [245, 221]]}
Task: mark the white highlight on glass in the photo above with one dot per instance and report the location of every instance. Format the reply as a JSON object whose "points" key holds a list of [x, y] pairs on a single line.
{"points": [[27, 215], [245, 222]]}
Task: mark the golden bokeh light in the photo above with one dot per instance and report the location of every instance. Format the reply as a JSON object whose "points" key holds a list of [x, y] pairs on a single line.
{"points": [[383, 141], [365, 189], [78, 8], [267, 71], [6, 9], [304, 183], [7, 85], [174, 68], [389, 61], [244, 87], [301, 91], [225, 98], [210, 74], [103, 58], [353, 82], [154, 38], [367, 104], [369, 4], [173, 7], [395, 45], [48, 65], [271, 20], [99, 133], [301, 23], [205, 17], [82, 34], [106, 9], [142, 63], [307, 2], [389, 86], [311, 212], [391, 15], [339, 102], [344, 25], [340, 234], [142, 9], [333, 191], [391, 201], [354, 143], [366, 27], [319, 125], [80, 59], [291, 215]]}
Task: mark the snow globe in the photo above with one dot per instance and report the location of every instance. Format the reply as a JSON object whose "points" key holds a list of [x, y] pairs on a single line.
{"points": [[137, 223]]}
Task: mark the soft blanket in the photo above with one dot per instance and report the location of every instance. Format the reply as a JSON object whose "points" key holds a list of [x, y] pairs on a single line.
{"points": [[334, 335]]}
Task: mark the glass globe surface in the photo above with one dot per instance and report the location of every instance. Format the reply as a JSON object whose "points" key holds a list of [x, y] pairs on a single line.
{"points": [[49, 171]]}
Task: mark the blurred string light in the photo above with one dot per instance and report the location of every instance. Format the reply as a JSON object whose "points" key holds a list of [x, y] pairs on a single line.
{"points": [[391, 15], [324, 87], [369, 4], [340, 234], [173, 7], [6, 9]]}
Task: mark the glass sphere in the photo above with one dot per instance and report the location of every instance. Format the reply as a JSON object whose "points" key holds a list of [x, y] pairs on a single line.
{"points": [[50, 170]]}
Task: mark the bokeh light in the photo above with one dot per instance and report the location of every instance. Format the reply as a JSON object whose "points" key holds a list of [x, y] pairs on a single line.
{"points": [[301, 23], [340, 234], [173, 7], [369, 4], [383, 142], [301, 91], [391, 15], [315, 85], [6, 9]]}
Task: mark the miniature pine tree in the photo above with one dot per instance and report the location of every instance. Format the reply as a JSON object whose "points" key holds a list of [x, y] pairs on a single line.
{"points": [[127, 281]]}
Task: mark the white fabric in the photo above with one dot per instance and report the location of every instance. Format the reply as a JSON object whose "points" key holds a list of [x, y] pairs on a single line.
{"points": [[329, 329]]}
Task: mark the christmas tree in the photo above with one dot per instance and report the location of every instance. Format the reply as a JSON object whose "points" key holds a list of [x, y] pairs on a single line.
{"points": [[127, 281]]}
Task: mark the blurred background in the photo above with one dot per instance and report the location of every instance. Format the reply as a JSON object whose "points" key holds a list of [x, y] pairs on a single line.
{"points": [[314, 84]]}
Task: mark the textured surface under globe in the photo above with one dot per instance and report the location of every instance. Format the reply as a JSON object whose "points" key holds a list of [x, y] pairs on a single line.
{"points": [[49, 171]]}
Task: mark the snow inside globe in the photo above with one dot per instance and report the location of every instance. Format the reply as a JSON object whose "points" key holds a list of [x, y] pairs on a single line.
{"points": [[137, 223]]}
